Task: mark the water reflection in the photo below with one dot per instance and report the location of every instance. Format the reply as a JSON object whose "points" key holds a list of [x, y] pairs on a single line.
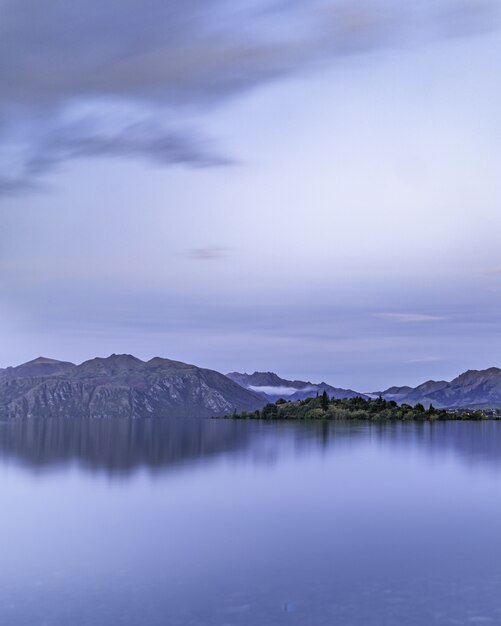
{"points": [[116, 445], [121, 446], [275, 524]]}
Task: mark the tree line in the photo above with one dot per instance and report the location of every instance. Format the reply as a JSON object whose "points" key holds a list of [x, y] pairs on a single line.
{"points": [[374, 409]]}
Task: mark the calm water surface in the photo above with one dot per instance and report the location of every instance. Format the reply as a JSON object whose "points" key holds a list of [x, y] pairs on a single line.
{"points": [[224, 523]]}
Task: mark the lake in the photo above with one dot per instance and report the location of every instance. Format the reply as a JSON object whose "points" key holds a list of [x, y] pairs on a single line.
{"points": [[220, 522]]}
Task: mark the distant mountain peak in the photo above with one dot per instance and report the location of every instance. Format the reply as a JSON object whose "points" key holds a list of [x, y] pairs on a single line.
{"points": [[475, 374], [126, 358], [43, 360], [271, 386], [113, 365], [41, 366], [158, 361]]}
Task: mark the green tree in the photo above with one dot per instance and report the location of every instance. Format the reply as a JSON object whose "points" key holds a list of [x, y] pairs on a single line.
{"points": [[270, 411], [324, 401]]}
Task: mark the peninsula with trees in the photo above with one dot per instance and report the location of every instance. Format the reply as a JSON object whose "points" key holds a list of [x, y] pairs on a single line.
{"points": [[360, 408]]}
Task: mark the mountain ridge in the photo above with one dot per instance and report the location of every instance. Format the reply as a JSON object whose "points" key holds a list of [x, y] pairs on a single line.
{"points": [[41, 366], [471, 389], [273, 387], [119, 386], [122, 385]]}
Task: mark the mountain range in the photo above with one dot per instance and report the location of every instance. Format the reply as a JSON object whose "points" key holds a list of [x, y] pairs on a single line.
{"points": [[271, 387], [472, 389], [119, 386], [125, 386]]}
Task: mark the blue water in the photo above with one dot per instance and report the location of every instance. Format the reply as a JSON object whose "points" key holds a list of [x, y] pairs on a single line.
{"points": [[245, 523]]}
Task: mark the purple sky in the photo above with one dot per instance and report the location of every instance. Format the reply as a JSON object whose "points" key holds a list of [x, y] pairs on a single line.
{"points": [[306, 187]]}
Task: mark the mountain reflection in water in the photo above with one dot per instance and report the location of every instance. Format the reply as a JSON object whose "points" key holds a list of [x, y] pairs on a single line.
{"points": [[122, 445], [244, 523]]}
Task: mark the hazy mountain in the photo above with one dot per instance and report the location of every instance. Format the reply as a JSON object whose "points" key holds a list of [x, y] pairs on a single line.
{"points": [[393, 393], [272, 387], [119, 386], [474, 388]]}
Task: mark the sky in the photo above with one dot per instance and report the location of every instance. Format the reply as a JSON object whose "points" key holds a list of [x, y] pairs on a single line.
{"points": [[306, 187]]}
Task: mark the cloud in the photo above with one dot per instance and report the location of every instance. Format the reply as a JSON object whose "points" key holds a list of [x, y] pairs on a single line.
{"points": [[171, 58], [278, 390], [463, 17], [209, 253], [410, 317], [426, 359], [146, 140], [182, 51]]}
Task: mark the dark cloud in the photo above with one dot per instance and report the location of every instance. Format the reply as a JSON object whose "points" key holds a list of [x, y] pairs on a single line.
{"points": [[175, 56], [13, 185], [145, 140], [144, 50], [140, 139]]}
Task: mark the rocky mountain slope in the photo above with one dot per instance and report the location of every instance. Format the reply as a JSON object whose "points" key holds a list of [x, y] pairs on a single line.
{"points": [[272, 387], [474, 388], [119, 386]]}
